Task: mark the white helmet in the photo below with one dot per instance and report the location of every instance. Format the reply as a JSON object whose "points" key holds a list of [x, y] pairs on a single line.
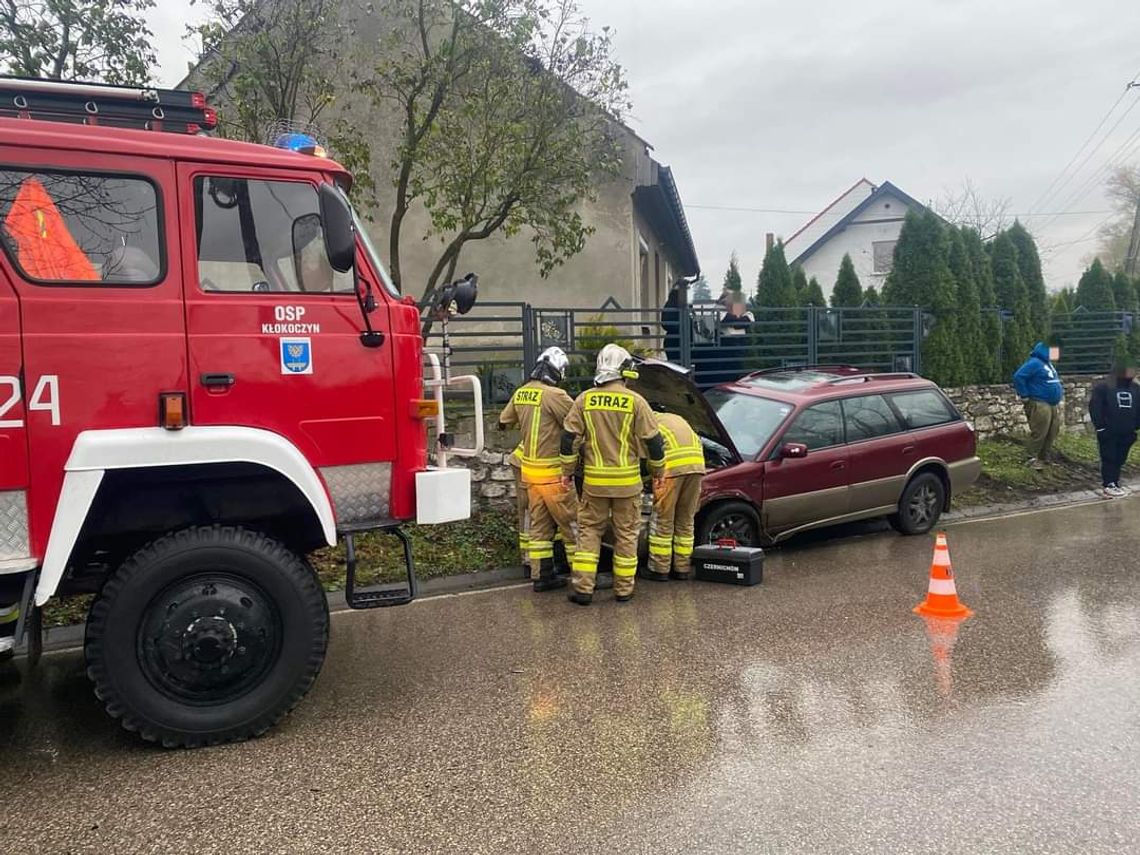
{"points": [[613, 360], [551, 365]]}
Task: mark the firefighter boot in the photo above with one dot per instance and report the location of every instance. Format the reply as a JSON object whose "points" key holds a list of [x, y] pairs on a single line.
{"points": [[547, 579], [578, 598]]}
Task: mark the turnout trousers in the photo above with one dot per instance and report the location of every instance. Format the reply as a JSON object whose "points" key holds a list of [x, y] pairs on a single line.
{"points": [[551, 511], [594, 514], [671, 529]]}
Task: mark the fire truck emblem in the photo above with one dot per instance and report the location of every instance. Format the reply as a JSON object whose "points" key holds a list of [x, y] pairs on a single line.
{"points": [[296, 356]]}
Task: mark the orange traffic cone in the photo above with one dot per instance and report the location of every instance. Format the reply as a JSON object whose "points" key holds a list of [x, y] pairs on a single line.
{"points": [[942, 597]]}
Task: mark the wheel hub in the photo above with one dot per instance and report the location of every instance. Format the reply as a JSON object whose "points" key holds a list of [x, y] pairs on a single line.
{"points": [[209, 641], [209, 638]]}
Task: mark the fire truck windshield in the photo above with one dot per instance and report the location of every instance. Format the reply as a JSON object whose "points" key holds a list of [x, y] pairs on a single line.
{"points": [[373, 254]]}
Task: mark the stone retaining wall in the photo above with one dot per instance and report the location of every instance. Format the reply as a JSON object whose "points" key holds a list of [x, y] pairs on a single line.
{"points": [[996, 410], [993, 410]]}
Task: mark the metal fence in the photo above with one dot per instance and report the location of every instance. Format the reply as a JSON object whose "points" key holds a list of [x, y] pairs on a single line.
{"points": [[499, 341], [1088, 340]]}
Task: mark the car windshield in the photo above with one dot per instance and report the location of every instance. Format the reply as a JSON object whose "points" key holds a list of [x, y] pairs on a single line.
{"points": [[749, 420]]}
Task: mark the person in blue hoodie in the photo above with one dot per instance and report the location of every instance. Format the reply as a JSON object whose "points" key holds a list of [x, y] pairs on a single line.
{"points": [[1039, 386]]}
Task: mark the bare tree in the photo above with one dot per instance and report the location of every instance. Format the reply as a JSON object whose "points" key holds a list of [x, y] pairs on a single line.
{"points": [[1122, 188], [966, 206]]}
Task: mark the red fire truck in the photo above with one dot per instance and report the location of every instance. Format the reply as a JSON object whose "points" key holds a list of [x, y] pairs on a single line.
{"points": [[205, 375]]}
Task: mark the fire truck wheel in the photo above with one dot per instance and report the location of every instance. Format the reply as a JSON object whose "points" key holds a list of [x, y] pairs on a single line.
{"points": [[207, 635]]}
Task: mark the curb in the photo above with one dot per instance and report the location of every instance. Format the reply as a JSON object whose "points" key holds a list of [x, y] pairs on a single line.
{"points": [[1054, 500]]}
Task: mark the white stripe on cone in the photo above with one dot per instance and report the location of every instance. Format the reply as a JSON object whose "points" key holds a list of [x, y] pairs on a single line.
{"points": [[945, 587]]}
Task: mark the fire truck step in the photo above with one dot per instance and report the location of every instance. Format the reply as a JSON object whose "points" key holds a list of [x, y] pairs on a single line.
{"points": [[381, 596]]}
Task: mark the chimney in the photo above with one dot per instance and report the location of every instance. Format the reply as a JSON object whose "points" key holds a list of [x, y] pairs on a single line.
{"points": [[769, 241]]}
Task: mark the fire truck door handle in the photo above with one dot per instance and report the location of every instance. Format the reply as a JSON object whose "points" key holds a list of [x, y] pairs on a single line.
{"points": [[212, 381]]}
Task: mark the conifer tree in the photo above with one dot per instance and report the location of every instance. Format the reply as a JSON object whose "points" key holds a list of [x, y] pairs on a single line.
{"points": [[1095, 289], [774, 286], [991, 321], [921, 277], [1013, 296], [976, 358], [1029, 264], [848, 293]]}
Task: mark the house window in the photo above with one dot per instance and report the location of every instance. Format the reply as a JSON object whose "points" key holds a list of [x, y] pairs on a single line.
{"points": [[883, 255]]}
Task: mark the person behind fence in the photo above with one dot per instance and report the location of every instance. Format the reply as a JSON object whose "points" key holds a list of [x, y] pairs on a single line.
{"points": [[1114, 408], [675, 506], [673, 314], [539, 408], [608, 425], [1039, 386]]}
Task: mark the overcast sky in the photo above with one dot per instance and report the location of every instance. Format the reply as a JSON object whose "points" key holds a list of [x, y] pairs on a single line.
{"points": [[781, 106]]}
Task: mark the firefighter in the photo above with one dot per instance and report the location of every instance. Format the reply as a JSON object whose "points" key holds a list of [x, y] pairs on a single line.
{"points": [[608, 425], [539, 407], [675, 506]]}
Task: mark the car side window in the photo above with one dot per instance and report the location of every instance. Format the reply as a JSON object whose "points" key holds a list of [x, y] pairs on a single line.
{"points": [[819, 426], [869, 416], [262, 236], [925, 408]]}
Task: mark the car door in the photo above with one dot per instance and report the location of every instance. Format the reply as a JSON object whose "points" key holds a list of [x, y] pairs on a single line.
{"points": [[799, 492], [274, 333], [880, 452]]}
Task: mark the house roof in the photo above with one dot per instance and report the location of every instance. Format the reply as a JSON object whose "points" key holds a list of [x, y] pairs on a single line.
{"points": [[660, 204], [838, 199], [885, 189]]}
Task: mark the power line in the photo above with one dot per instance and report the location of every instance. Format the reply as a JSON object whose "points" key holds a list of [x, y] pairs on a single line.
{"points": [[1124, 151], [1094, 150], [749, 210], [1115, 104]]}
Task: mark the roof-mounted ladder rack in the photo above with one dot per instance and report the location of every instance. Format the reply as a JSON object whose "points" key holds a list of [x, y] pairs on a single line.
{"points": [[172, 110]]}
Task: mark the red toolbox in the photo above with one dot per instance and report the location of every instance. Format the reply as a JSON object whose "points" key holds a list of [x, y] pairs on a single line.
{"points": [[726, 562]]}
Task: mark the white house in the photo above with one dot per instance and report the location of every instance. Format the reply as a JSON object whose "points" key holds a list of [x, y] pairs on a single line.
{"points": [[864, 223]]}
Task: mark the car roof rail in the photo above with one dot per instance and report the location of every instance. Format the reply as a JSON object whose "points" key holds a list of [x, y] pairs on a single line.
{"points": [[787, 369], [867, 378], [141, 108]]}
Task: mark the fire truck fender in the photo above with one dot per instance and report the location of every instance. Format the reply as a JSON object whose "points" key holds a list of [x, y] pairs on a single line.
{"points": [[97, 451]]}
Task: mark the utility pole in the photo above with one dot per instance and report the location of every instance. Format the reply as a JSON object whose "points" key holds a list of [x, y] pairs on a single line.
{"points": [[1133, 256]]}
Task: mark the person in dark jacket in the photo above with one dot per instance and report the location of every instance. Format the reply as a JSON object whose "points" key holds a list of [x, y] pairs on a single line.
{"points": [[1114, 406], [1039, 387]]}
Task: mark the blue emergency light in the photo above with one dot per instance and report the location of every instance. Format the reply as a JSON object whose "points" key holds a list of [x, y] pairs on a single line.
{"points": [[302, 143]]}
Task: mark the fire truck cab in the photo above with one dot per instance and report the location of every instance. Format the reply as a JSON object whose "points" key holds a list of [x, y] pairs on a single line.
{"points": [[205, 375]]}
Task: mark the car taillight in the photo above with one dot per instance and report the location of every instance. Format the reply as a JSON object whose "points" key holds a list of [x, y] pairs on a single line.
{"points": [[197, 100], [210, 117]]}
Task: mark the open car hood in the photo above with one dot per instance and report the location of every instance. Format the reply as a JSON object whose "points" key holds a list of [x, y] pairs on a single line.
{"points": [[672, 388]]}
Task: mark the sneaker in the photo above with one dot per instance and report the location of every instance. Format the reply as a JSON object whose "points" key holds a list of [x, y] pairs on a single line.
{"points": [[1126, 490], [1035, 464], [1116, 491]]}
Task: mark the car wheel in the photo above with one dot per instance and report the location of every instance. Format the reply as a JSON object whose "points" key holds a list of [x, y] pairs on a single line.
{"points": [[207, 635], [730, 521], [921, 504]]}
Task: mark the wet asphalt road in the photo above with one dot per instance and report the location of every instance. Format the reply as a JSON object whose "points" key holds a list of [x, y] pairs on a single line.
{"points": [[811, 714]]}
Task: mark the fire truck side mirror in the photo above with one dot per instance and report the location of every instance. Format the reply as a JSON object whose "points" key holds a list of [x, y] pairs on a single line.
{"points": [[340, 236]]}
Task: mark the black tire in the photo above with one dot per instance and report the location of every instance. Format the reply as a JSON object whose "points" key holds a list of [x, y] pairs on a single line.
{"points": [[921, 505], [172, 663], [736, 520]]}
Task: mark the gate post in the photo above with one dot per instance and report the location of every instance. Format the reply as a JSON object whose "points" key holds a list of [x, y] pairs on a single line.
{"points": [[686, 322], [529, 343], [812, 336], [916, 341]]}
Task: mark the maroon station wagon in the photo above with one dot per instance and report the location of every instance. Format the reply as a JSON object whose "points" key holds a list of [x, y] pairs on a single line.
{"points": [[800, 448]]}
